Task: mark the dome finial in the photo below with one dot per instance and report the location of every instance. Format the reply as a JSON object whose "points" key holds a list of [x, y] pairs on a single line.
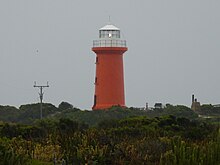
{"points": [[109, 20], [109, 25]]}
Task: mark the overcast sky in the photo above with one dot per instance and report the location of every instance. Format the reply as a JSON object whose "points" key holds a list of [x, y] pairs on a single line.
{"points": [[174, 50]]}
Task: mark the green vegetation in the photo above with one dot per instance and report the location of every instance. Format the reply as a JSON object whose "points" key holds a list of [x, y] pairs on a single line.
{"points": [[208, 109], [26, 113], [174, 135]]}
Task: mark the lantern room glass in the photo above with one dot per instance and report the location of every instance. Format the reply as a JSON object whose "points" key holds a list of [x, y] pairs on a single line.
{"points": [[109, 34]]}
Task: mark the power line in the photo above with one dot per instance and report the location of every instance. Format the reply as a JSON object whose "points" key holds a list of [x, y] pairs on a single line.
{"points": [[41, 94]]}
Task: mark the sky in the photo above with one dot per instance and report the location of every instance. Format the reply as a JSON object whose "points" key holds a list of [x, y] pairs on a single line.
{"points": [[173, 50]]}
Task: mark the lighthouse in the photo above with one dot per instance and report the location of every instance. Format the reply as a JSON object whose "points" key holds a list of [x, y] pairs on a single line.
{"points": [[109, 79]]}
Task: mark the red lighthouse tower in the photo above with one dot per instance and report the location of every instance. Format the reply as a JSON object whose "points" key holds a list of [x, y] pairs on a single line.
{"points": [[109, 80]]}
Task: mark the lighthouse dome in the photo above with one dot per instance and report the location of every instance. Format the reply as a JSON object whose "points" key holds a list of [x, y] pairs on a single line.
{"points": [[109, 27]]}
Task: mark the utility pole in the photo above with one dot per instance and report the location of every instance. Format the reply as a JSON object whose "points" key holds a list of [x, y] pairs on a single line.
{"points": [[41, 94]]}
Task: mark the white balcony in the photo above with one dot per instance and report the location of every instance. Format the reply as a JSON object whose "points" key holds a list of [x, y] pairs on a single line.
{"points": [[109, 43]]}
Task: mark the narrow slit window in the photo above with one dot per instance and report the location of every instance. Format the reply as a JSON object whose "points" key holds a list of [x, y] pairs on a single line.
{"points": [[95, 97], [97, 60]]}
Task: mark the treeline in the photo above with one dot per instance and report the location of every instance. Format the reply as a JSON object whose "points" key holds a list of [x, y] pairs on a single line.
{"points": [[25, 113], [28, 114], [208, 109], [166, 140]]}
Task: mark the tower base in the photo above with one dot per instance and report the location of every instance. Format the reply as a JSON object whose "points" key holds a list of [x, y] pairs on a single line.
{"points": [[106, 106]]}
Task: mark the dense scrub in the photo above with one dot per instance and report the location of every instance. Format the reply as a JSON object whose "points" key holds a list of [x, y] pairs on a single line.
{"points": [[165, 140]]}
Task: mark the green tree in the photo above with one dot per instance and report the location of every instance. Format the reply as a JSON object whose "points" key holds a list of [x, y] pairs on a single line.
{"points": [[65, 105]]}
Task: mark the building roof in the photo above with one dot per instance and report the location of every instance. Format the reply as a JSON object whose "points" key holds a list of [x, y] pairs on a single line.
{"points": [[158, 105], [109, 27]]}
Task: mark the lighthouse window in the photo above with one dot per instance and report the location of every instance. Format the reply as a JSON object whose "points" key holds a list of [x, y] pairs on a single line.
{"points": [[114, 34], [109, 34], [97, 60], [95, 80], [95, 97], [101, 34], [106, 33]]}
